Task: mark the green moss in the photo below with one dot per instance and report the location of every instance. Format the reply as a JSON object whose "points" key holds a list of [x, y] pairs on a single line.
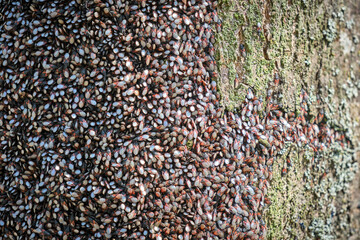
{"points": [[290, 200], [237, 72]]}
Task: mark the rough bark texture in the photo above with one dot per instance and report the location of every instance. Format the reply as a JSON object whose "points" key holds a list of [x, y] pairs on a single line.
{"points": [[311, 45]]}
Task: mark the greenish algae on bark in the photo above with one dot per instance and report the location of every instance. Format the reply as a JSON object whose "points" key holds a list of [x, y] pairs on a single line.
{"points": [[311, 45]]}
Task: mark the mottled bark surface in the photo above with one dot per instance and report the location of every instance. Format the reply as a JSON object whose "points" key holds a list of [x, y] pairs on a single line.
{"points": [[311, 45]]}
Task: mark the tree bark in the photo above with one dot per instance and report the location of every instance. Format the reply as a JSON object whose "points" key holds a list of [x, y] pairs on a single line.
{"points": [[310, 45]]}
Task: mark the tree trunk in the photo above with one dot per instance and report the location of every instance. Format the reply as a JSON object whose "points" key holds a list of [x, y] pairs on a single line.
{"points": [[310, 45], [110, 124]]}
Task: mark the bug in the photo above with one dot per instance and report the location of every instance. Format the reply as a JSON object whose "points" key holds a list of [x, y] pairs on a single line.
{"points": [[276, 79], [258, 28], [284, 171], [242, 50]]}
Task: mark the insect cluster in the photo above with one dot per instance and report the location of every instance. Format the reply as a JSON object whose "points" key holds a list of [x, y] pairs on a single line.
{"points": [[110, 126]]}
